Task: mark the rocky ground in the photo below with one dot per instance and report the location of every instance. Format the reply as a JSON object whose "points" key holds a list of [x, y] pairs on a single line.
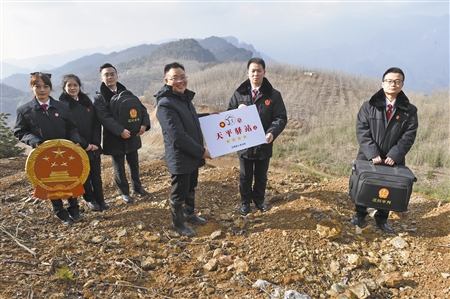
{"points": [[304, 244]]}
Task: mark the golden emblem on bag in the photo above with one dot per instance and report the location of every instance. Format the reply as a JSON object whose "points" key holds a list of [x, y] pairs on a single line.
{"points": [[133, 113], [383, 193], [57, 169]]}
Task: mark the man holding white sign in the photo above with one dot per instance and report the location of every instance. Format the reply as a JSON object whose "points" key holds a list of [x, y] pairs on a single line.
{"points": [[254, 161]]}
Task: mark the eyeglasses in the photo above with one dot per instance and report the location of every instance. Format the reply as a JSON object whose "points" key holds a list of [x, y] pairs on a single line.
{"points": [[178, 79], [108, 74], [396, 82], [37, 73]]}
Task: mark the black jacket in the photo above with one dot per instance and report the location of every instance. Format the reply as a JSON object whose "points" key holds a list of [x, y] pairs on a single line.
{"points": [[87, 122], [113, 143], [272, 112], [377, 137], [35, 125], [183, 139]]}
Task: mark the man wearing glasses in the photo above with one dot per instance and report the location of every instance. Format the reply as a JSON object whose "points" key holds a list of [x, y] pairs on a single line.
{"points": [[119, 142], [386, 128], [183, 143]]}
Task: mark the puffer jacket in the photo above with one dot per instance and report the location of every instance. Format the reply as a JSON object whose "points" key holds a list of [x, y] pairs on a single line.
{"points": [[271, 110], [34, 125], [87, 122], [183, 139], [113, 143], [377, 137]]}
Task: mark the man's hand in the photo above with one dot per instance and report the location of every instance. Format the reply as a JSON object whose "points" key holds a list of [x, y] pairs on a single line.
{"points": [[389, 161], [242, 106], [377, 160], [125, 134], [269, 138], [207, 154], [141, 131]]}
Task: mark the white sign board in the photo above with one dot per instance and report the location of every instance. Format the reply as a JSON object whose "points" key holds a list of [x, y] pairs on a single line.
{"points": [[232, 130]]}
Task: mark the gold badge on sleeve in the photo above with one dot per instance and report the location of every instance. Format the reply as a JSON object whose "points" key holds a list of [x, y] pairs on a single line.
{"points": [[57, 169]]}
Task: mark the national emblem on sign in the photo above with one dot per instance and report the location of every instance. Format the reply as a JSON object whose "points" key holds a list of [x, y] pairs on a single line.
{"points": [[57, 169]]}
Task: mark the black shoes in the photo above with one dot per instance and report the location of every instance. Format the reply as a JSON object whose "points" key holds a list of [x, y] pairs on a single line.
{"points": [[385, 228], [262, 207], [68, 222], [140, 193], [104, 206], [93, 206], [127, 198], [77, 218], [194, 219], [245, 209], [358, 220]]}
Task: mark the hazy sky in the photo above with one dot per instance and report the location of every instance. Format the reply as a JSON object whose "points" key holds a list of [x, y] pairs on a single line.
{"points": [[34, 28]]}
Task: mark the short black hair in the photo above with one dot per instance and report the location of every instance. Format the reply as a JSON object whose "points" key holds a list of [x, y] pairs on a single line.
{"points": [[173, 65], [396, 70], [256, 60], [107, 65]]}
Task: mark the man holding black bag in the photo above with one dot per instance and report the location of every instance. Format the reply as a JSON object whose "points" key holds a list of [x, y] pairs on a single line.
{"points": [[123, 124], [386, 129]]}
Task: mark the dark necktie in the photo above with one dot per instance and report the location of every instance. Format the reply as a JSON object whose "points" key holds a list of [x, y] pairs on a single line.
{"points": [[389, 112], [255, 94], [44, 106]]}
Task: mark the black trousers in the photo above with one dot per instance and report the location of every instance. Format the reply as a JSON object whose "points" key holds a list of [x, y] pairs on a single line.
{"points": [[182, 185], [93, 188], [119, 172], [381, 216], [58, 205], [257, 170]]}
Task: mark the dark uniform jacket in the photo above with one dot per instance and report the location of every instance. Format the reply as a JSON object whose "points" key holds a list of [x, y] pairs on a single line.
{"points": [[272, 112], [87, 122], [377, 137], [183, 139], [34, 125], [113, 143]]}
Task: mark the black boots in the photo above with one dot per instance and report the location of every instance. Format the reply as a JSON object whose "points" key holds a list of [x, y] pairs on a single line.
{"points": [[358, 220], [65, 218], [176, 209], [74, 212], [189, 213]]}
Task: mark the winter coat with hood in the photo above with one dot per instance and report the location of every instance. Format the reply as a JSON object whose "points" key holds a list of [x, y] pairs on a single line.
{"points": [[113, 143], [271, 110], [34, 125], [183, 139], [378, 137], [87, 122]]}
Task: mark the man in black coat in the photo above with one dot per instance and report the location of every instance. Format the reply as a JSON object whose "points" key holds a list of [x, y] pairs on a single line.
{"points": [[119, 142], [183, 142], [254, 161], [386, 129]]}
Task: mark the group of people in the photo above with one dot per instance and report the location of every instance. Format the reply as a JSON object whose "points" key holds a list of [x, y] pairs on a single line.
{"points": [[75, 117]]}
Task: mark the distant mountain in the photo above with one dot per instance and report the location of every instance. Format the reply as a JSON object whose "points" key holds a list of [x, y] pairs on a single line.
{"points": [[234, 41], [11, 99], [54, 60], [10, 69], [225, 51], [188, 49]]}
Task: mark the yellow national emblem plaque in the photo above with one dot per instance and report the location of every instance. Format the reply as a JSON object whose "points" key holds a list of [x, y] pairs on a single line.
{"points": [[57, 169]]}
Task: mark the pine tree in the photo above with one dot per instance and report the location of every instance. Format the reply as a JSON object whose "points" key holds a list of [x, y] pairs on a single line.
{"points": [[8, 143]]}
